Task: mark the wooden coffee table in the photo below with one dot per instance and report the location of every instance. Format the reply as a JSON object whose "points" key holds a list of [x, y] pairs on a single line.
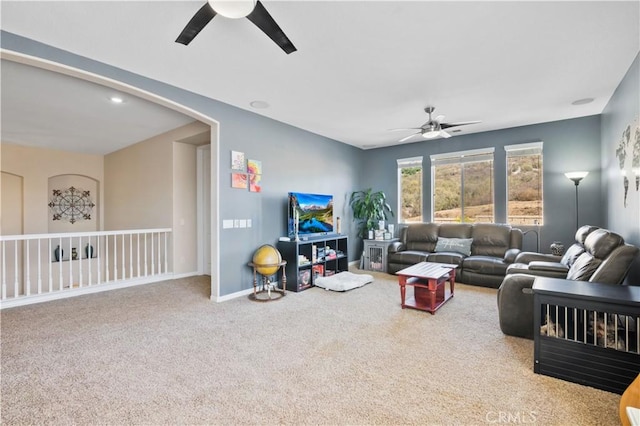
{"points": [[428, 280]]}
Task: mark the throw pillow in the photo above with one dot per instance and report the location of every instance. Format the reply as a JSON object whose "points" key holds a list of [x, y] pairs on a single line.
{"points": [[458, 245]]}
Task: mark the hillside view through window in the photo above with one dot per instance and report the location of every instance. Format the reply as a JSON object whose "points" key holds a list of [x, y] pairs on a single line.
{"points": [[524, 188], [463, 186], [410, 191], [463, 192]]}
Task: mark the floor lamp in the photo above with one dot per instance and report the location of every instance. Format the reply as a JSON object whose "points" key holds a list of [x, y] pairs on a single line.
{"points": [[576, 177]]}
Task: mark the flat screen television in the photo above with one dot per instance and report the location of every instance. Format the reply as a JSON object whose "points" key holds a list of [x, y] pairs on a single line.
{"points": [[313, 214]]}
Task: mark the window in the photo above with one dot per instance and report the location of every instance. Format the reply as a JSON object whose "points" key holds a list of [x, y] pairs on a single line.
{"points": [[524, 184], [462, 186], [410, 190]]}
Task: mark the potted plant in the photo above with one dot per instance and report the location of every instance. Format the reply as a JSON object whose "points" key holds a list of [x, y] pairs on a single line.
{"points": [[368, 208]]}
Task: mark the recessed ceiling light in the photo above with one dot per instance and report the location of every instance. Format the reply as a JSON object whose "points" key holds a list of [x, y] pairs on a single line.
{"points": [[259, 104], [582, 101], [116, 99]]}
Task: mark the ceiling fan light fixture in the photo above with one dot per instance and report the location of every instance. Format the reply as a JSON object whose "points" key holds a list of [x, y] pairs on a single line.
{"points": [[431, 134], [234, 9]]}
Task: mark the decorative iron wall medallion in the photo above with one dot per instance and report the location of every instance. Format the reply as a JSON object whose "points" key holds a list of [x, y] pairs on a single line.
{"points": [[628, 154], [71, 204]]}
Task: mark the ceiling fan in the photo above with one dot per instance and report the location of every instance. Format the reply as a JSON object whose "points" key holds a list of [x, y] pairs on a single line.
{"points": [[434, 127], [251, 9]]}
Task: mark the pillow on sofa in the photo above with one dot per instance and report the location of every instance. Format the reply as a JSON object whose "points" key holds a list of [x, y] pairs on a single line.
{"points": [[458, 245]]}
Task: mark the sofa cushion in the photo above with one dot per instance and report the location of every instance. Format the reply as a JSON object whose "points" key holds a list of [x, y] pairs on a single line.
{"points": [[446, 257], [408, 257], [583, 267], [583, 232], [615, 267], [455, 230], [458, 245], [490, 239], [600, 243], [484, 265], [421, 236], [572, 254]]}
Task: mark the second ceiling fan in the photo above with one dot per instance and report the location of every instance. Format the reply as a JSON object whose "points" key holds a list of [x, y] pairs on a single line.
{"points": [[434, 127], [251, 9]]}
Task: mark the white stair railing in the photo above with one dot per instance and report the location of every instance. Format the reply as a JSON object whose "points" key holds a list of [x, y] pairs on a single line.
{"points": [[40, 267]]}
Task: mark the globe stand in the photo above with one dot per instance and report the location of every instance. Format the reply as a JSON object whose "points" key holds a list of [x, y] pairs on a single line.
{"points": [[268, 291]]}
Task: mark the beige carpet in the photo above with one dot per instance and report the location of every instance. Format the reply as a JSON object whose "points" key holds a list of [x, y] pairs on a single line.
{"points": [[164, 354]]}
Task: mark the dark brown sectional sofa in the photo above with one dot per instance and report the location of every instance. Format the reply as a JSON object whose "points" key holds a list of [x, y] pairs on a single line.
{"points": [[482, 251], [598, 255]]}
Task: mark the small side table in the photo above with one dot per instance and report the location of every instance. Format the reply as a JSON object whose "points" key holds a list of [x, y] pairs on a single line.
{"points": [[375, 254], [268, 291]]}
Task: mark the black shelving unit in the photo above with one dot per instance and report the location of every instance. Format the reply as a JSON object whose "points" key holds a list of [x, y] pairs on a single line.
{"points": [[313, 257]]}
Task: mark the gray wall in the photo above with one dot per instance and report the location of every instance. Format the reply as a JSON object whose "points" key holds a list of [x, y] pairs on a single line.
{"points": [[622, 110], [569, 145], [292, 160]]}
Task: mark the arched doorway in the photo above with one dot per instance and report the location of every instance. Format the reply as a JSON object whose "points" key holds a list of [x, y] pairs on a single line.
{"points": [[134, 91]]}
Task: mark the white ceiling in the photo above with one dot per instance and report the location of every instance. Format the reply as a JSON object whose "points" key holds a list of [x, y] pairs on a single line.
{"points": [[45, 109], [362, 67]]}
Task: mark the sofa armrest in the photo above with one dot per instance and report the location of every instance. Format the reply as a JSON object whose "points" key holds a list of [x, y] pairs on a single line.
{"points": [[515, 305], [548, 266], [530, 256], [511, 255], [396, 247]]}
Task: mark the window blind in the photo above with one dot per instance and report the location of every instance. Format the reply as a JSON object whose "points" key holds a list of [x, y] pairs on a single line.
{"points": [[409, 162], [470, 156], [523, 149]]}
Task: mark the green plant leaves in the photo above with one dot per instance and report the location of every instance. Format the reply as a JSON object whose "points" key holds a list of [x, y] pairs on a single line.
{"points": [[368, 208]]}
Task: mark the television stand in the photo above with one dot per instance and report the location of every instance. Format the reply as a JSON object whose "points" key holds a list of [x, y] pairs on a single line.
{"points": [[316, 256]]}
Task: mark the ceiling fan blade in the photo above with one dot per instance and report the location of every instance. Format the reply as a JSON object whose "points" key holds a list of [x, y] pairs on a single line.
{"points": [[406, 128], [196, 24], [464, 123], [444, 134], [439, 119], [263, 20], [408, 137]]}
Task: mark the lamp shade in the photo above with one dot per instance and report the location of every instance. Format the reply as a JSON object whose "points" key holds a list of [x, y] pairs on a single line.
{"points": [[234, 9], [576, 176]]}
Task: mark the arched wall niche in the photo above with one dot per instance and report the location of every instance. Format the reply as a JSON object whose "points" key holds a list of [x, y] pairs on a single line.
{"points": [[74, 203]]}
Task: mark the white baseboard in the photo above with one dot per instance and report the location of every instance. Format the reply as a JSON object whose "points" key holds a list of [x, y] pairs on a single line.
{"points": [[73, 292], [235, 295], [186, 275]]}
